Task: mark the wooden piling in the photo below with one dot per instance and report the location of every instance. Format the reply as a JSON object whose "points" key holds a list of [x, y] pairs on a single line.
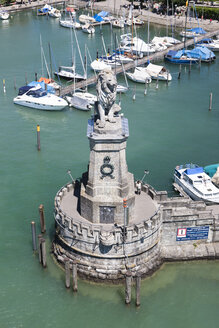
{"points": [[138, 287], [67, 273], [38, 137], [26, 78], [36, 77], [4, 88], [40, 248], [43, 252], [128, 287], [74, 276], [15, 86], [42, 218], [179, 75], [190, 65], [210, 101], [33, 229]]}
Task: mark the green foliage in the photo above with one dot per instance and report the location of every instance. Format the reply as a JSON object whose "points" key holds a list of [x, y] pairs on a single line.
{"points": [[6, 2], [208, 13]]}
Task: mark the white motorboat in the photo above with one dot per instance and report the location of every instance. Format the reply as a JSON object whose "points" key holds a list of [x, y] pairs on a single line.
{"points": [[36, 97], [137, 21], [78, 102], [140, 75], [196, 183], [68, 72], [121, 88], [119, 23], [120, 58], [86, 95], [69, 23], [158, 72], [135, 45], [87, 28], [86, 19], [55, 13], [4, 15], [193, 32], [210, 44]]}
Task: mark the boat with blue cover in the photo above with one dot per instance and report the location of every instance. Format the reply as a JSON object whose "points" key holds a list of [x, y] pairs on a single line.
{"points": [[36, 97], [196, 183], [209, 43], [180, 57], [193, 32]]}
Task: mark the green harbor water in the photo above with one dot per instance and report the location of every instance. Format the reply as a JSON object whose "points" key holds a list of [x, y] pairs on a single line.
{"points": [[170, 125]]}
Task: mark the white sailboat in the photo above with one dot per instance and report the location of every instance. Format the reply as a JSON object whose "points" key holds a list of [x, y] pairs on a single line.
{"points": [[158, 72], [139, 75]]}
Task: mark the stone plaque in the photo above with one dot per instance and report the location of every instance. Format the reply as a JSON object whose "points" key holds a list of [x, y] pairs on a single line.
{"points": [[107, 214]]}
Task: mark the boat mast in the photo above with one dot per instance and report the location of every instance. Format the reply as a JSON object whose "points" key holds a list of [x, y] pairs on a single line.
{"points": [[186, 13], [41, 51]]}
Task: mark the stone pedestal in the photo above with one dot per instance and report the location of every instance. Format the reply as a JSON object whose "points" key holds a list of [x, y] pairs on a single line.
{"points": [[109, 181]]}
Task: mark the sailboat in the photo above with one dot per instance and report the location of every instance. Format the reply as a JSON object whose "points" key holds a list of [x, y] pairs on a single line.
{"points": [[82, 100], [68, 72]]}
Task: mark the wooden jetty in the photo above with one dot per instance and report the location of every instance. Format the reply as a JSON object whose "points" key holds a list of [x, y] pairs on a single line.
{"points": [[153, 57]]}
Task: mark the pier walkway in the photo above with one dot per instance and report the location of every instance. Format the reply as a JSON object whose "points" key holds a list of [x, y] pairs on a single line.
{"points": [[153, 57]]}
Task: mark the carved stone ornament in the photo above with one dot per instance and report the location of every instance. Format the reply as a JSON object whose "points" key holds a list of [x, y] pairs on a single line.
{"points": [[106, 168]]}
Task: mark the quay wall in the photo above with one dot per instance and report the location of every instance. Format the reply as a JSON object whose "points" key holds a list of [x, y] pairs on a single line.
{"points": [[106, 254]]}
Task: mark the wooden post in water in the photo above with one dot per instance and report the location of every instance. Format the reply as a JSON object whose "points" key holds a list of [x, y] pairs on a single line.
{"points": [[210, 101], [42, 218], [74, 276], [35, 76], [40, 248], [33, 229], [38, 137], [15, 87], [128, 287], [4, 88], [43, 252], [138, 287], [67, 273], [179, 75], [26, 78]]}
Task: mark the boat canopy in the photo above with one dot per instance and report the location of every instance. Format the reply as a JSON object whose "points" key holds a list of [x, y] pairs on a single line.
{"points": [[203, 52], [42, 85], [197, 30], [211, 169], [156, 69], [103, 14], [23, 89], [98, 18], [195, 170], [172, 53]]}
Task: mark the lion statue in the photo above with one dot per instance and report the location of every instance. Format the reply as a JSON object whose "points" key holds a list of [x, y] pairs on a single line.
{"points": [[106, 97]]}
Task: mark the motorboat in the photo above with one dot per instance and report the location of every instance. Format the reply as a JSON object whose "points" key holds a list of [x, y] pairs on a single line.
{"points": [[78, 102], [140, 75], [137, 21], [166, 41], [50, 82], [45, 10], [121, 88], [68, 72], [119, 23], [193, 32], [71, 11], [87, 28], [209, 43], [55, 13], [135, 45], [69, 23], [36, 97], [86, 95], [213, 171], [180, 57], [158, 72], [196, 183], [4, 15], [122, 58], [86, 19]]}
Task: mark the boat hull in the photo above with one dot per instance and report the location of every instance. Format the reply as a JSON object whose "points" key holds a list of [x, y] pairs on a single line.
{"points": [[40, 106]]}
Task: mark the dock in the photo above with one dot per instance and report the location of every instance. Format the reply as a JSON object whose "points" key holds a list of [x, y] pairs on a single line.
{"points": [[153, 58]]}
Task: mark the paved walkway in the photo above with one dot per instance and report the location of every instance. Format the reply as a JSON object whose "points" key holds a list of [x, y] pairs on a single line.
{"points": [[145, 208]]}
